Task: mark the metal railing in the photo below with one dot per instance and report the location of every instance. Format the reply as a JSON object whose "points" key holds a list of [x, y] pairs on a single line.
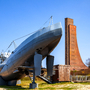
{"points": [[80, 78]]}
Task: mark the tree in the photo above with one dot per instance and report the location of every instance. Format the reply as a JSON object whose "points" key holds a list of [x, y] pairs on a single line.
{"points": [[88, 62], [2, 58]]}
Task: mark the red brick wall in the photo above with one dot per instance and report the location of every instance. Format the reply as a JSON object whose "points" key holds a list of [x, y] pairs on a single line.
{"points": [[55, 77], [68, 21], [81, 72], [62, 73], [74, 57]]}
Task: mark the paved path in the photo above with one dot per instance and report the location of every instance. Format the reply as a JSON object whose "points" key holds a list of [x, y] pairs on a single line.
{"points": [[3, 89]]}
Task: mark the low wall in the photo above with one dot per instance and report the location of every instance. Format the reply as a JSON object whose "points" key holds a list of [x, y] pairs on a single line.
{"points": [[62, 73], [81, 72]]}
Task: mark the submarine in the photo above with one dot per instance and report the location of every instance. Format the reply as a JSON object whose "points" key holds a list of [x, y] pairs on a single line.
{"points": [[28, 56]]}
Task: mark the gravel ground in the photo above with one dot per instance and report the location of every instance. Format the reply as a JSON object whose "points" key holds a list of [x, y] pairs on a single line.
{"points": [[78, 86], [83, 87]]}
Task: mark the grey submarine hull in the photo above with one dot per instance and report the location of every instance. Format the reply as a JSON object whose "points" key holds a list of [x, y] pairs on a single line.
{"points": [[23, 55]]}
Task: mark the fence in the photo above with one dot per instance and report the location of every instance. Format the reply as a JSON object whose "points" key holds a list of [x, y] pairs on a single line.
{"points": [[80, 78]]}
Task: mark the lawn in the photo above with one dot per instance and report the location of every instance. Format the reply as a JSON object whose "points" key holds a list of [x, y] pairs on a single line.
{"points": [[44, 86]]}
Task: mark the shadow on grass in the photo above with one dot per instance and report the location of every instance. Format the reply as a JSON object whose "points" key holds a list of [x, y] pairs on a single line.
{"points": [[13, 87], [84, 83], [56, 88]]}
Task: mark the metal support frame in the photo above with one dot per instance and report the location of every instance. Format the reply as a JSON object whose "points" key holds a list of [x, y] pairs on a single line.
{"points": [[49, 64], [33, 76], [33, 85], [36, 70]]}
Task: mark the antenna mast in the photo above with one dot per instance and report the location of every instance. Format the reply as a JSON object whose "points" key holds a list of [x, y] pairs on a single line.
{"points": [[51, 20]]}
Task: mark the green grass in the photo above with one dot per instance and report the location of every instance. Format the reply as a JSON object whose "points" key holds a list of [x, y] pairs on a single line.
{"points": [[44, 86]]}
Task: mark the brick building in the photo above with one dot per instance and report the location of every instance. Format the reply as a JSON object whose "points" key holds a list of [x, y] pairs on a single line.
{"points": [[72, 55], [61, 73]]}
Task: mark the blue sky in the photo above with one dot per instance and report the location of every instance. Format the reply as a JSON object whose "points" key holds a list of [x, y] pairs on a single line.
{"points": [[20, 17]]}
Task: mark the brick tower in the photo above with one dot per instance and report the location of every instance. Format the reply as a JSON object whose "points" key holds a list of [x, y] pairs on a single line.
{"points": [[72, 55]]}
